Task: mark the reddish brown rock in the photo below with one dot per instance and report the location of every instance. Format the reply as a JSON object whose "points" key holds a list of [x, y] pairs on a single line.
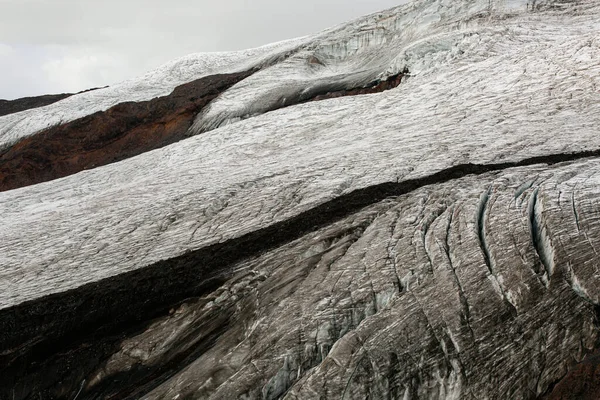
{"points": [[123, 131], [374, 87], [581, 383]]}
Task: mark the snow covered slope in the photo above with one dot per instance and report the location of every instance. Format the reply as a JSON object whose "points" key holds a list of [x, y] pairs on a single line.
{"points": [[492, 85], [155, 83], [464, 110]]}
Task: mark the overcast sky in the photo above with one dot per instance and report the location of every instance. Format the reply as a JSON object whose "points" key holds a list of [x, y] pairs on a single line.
{"points": [[55, 46]]}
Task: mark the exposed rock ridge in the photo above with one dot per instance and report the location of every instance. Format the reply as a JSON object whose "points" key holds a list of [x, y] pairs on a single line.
{"points": [[123, 131], [26, 103], [376, 86]]}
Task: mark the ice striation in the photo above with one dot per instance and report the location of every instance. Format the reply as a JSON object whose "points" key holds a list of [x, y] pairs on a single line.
{"points": [[434, 240]]}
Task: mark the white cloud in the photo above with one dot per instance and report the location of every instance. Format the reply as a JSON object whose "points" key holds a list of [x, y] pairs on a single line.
{"points": [[72, 69], [5, 50], [19, 72]]}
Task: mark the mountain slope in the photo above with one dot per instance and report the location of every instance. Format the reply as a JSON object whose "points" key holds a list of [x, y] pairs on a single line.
{"points": [[433, 240]]}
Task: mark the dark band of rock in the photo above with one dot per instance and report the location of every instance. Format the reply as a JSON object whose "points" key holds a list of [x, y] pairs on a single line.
{"points": [[374, 87], [581, 383], [123, 131], [26, 103]]}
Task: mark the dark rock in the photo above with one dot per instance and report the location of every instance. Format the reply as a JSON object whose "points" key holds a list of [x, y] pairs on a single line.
{"points": [[582, 382], [375, 87], [123, 131], [27, 103]]}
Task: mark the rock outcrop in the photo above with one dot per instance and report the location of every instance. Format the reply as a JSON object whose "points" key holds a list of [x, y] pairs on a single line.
{"points": [[27, 103], [124, 130], [427, 229]]}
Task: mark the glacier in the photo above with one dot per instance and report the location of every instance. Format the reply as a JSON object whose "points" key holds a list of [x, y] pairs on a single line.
{"points": [[331, 249]]}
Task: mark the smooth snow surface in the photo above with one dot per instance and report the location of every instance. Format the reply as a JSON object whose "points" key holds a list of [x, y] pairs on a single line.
{"points": [[491, 82]]}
